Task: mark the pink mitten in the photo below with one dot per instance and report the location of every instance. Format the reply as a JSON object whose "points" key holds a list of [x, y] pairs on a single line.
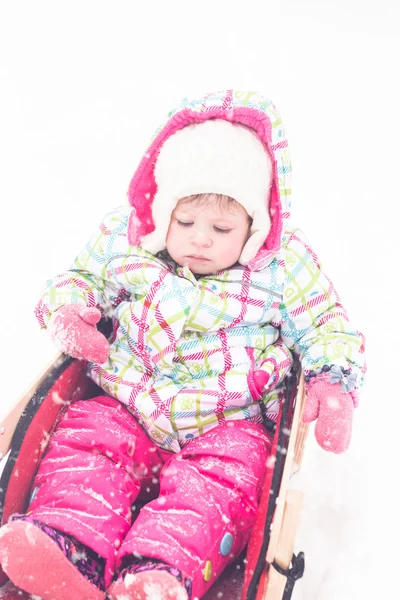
{"points": [[73, 328], [257, 380], [333, 408]]}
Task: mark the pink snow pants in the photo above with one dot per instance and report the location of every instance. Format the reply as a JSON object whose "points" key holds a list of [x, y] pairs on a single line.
{"points": [[199, 505]]}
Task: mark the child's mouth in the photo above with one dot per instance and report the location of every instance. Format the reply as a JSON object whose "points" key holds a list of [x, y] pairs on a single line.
{"points": [[198, 257]]}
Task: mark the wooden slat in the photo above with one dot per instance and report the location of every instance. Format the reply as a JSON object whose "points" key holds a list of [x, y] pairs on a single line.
{"points": [[284, 550], [287, 472]]}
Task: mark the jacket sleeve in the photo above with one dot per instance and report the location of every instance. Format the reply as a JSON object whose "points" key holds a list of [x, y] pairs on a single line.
{"points": [[87, 281], [312, 319]]}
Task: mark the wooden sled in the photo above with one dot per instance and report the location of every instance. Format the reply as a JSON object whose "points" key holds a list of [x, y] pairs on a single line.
{"points": [[263, 572]]}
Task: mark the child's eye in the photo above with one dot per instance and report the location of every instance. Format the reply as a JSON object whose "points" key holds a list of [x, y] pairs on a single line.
{"points": [[184, 223], [219, 230]]}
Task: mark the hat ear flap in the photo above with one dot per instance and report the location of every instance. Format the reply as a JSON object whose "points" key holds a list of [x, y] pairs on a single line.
{"points": [[155, 241], [259, 233], [252, 247], [162, 208]]}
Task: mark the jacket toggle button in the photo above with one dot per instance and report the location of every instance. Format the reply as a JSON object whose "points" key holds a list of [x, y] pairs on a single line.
{"points": [[207, 571], [226, 544]]}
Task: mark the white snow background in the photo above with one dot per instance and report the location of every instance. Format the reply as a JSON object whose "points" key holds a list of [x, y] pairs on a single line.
{"points": [[83, 86]]}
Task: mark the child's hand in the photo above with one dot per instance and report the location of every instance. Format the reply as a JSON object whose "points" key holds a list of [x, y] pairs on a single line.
{"points": [[272, 367], [333, 409], [73, 329], [257, 381]]}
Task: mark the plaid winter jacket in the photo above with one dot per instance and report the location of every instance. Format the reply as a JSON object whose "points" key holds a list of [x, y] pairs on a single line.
{"points": [[182, 346]]}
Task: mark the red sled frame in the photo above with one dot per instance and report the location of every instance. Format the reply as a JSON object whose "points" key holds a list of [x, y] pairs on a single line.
{"points": [[264, 572]]}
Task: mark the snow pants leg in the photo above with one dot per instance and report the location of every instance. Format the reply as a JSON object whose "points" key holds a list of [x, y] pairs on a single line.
{"points": [[98, 462], [209, 494]]}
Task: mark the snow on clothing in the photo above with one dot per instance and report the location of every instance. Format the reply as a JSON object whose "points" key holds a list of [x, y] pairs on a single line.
{"points": [[100, 462]]}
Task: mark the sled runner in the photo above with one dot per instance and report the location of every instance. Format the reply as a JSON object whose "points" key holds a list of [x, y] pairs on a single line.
{"points": [[266, 571]]}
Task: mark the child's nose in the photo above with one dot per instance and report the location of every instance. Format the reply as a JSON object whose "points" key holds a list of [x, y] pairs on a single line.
{"points": [[200, 238]]}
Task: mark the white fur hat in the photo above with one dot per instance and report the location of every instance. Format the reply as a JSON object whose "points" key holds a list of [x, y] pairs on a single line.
{"points": [[212, 157]]}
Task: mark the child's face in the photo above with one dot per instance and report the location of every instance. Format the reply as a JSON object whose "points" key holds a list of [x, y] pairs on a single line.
{"points": [[206, 236]]}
